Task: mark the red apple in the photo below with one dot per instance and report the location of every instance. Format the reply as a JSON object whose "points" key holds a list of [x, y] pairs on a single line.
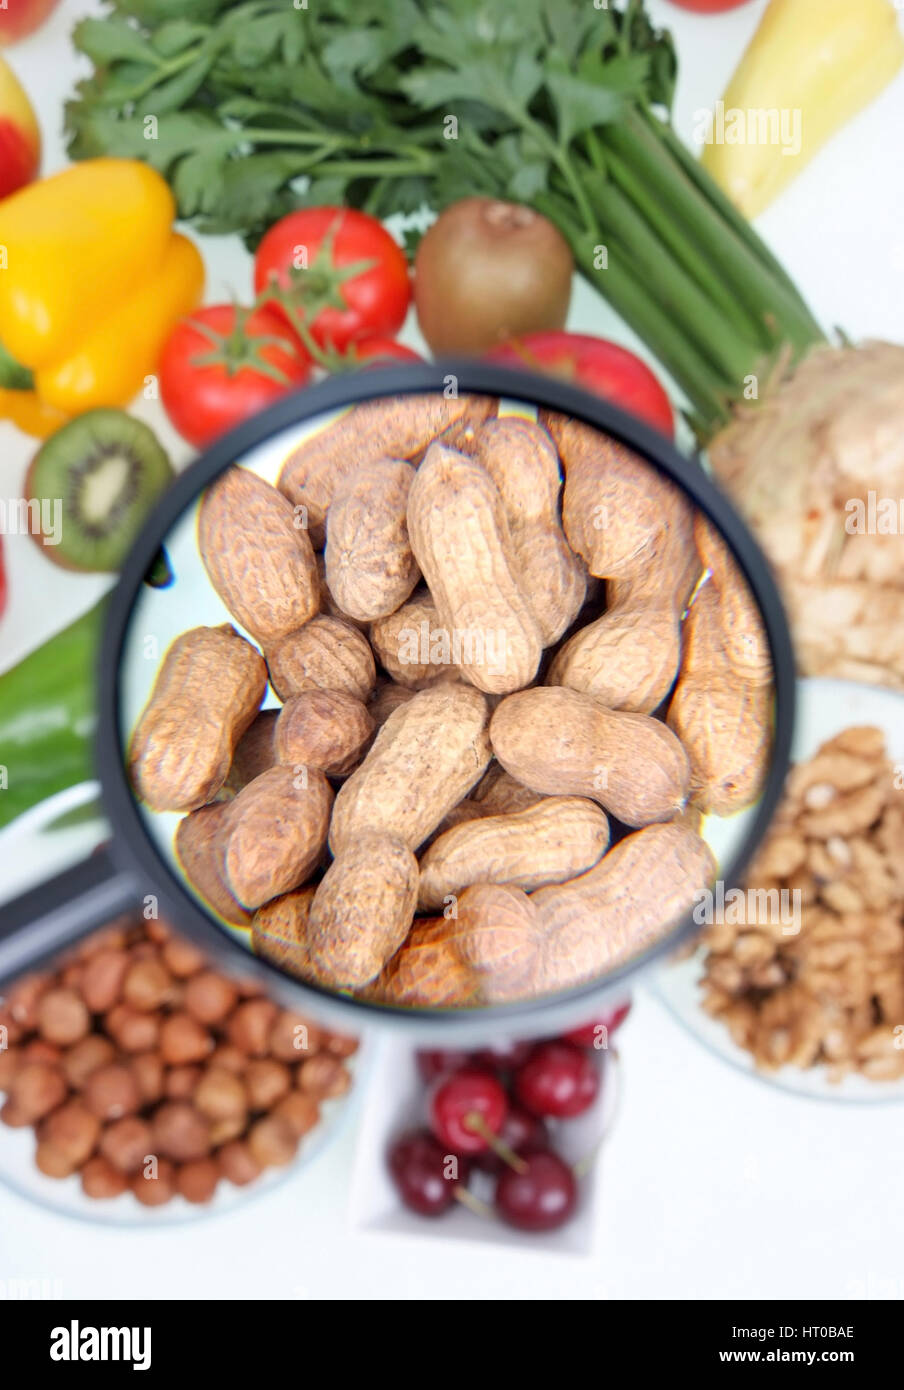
{"points": [[19, 18], [20, 139]]}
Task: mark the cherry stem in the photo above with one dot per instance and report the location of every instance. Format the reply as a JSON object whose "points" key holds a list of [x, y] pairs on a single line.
{"points": [[583, 1165], [474, 1204], [475, 1122]]}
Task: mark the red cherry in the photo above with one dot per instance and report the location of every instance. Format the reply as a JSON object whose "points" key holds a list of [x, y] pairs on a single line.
{"points": [[557, 1079], [503, 1055], [521, 1131], [441, 1062], [420, 1168], [540, 1198], [467, 1109], [598, 1033]]}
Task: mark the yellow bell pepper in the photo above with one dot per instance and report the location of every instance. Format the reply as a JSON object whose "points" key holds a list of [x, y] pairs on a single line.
{"points": [[92, 279], [810, 67], [33, 416], [109, 366]]}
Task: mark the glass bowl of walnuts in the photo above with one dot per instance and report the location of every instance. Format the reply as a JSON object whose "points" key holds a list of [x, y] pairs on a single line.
{"points": [[800, 980], [140, 1085]]}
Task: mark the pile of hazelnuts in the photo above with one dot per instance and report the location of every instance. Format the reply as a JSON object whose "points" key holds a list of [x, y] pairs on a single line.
{"points": [[142, 1069]]}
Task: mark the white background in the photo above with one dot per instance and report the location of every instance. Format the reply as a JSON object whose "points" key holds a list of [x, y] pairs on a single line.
{"points": [[715, 1185]]}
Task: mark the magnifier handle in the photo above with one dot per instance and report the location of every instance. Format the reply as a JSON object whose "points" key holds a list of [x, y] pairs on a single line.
{"points": [[41, 922]]}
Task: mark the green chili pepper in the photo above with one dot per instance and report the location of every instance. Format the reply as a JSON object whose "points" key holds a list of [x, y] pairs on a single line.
{"points": [[47, 718]]}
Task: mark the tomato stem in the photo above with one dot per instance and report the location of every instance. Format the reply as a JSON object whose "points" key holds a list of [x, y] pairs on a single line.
{"points": [[238, 349]]}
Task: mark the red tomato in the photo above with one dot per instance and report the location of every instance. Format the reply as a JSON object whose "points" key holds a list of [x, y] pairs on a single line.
{"points": [[224, 363], [338, 272], [376, 351], [599, 366], [708, 6]]}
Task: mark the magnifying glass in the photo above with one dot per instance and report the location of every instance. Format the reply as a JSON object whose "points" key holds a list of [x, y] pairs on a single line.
{"points": [[467, 691]]}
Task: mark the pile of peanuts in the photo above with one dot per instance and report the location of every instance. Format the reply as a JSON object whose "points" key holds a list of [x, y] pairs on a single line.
{"points": [[142, 1069], [831, 993], [496, 642]]}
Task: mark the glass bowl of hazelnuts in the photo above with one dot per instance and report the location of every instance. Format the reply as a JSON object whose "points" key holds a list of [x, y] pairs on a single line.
{"points": [[141, 1086]]}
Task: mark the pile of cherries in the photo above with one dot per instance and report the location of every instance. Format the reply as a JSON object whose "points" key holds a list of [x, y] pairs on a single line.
{"points": [[495, 1111]]}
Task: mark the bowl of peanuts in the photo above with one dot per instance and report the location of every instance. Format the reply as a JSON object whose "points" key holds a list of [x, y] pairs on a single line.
{"points": [[799, 980], [141, 1086]]}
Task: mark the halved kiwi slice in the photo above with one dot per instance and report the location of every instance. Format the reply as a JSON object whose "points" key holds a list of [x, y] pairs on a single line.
{"points": [[95, 481]]}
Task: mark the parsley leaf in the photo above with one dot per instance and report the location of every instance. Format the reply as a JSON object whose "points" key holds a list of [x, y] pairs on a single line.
{"points": [[261, 107]]}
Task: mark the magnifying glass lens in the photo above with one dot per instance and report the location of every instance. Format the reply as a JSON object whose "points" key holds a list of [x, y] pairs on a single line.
{"points": [[454, 701]]}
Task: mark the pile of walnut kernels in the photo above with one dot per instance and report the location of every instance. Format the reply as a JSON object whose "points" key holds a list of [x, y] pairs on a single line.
{"points": [[831, 993]]}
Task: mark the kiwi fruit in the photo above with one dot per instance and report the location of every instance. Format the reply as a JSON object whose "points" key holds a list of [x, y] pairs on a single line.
{"points": [[95, 481]]}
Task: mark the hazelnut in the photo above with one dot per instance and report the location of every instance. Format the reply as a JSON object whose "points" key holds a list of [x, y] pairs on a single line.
{"points": [[131, 1030], [53, 1162], [221, 1095], [209, 997], [101, 1180], [341, 1046], [37, 1088], [85, 1057], [221, 1131], [147, 1069], [147, 985], [63, 1017], [302, 1112], [112, 938], [102, 978], [37, 1050], [72, 1130], [250, 1025], [197, 1180], [22, 1000], [112, 1091], [323, 1076], [181, 1132], [182, 1039], [272, 1141], [13, 1116], [180, 1083], [238, 1163], [181, 958], [155, 1186], [127, 1143], [229, 1058], [292, 1037], [267, 1081]]}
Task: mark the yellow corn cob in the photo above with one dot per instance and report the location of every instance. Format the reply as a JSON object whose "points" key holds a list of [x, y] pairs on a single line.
{"points": [[810, 67]]}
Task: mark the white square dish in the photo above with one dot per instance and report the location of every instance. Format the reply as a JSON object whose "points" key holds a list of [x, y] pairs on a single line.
{"points": [[395, 1100]]}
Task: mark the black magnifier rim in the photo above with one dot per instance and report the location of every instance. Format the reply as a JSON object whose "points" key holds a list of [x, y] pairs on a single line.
{"points": [[134, 845]]}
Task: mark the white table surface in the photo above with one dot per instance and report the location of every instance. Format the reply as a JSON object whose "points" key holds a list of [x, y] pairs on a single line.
{"points": [[715, 1185]]}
